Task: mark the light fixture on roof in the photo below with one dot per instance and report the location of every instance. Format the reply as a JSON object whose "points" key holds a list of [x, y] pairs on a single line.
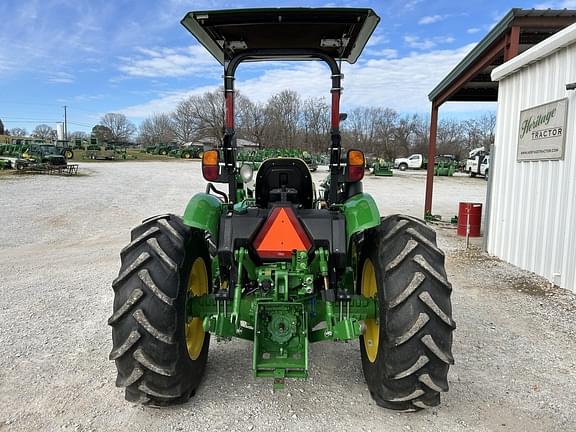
{"points": [[334, 43], [233, 45]]}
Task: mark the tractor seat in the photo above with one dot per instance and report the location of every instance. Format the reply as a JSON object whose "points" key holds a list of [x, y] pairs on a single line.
{"points": [[284, 180]]}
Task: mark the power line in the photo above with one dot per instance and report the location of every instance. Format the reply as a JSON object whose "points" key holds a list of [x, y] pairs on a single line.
{"points": [[32, 121], [79, 124]]}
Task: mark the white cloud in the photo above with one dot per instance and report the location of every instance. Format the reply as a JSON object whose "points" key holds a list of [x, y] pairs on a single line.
{"points": [[377, 39], [566, 4], [165, 103], [473, 30], [411, 4], [399, 83], [431, 19], [385, 52], [444, 39], [416, 42], [168, 62], [427, 44], [61, 78]]}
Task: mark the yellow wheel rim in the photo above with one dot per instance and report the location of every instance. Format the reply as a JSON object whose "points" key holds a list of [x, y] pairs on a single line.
{"points": [[197, 286], [370, 290]]}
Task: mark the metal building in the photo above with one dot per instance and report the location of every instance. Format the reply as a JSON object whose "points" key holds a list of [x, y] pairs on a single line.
{"points": [[532, 220], [470, 81]]}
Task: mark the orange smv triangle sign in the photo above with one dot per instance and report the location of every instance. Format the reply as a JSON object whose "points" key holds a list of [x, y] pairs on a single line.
{"points": [[281, 235]]}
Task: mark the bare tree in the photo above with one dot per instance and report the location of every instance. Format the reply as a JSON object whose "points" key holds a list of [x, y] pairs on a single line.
{"points": [[102, 133], [385, 141], [185, 123], [44, 132], [157, 129], [283, 112], [403, 135], [120, 127], [253, 122], [362, 124], [18, 132], [316, 124], [421, 127], [78, 135], [208, 112], [479, 132], [450, 137]]}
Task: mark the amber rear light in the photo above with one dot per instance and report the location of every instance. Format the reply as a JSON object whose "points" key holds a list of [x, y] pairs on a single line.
{"points": [[355, 165], [210, 165]]}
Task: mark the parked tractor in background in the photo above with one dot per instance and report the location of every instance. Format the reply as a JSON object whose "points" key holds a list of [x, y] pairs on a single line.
{"points": [[187, 152], [37, 154], [64, 148], [381, 168], [445, 165], [310, 160], [282, 268]]}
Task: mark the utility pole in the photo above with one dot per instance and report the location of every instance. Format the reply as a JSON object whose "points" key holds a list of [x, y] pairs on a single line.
{"points": [[65, 125]]}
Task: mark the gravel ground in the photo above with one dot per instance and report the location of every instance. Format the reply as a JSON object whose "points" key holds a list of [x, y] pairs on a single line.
{"points": [[514, 346]]}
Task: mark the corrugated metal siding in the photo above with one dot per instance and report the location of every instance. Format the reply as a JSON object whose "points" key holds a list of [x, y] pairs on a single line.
{"points": [[533, 208]]}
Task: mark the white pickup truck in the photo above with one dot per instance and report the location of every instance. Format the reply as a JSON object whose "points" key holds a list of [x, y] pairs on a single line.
{"points": [[415, 161], [478, 163]]}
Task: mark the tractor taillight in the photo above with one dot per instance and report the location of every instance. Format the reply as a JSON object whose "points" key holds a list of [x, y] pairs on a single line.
{"points": [[210, 165], [355, 165], [281, 234]]}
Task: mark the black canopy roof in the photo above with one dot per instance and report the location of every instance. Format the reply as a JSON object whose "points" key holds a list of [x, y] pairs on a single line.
{"points": [[340, 33]]}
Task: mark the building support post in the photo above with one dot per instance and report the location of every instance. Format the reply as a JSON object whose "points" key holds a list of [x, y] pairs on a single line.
{"points": [[512, 44], [431, 158]]}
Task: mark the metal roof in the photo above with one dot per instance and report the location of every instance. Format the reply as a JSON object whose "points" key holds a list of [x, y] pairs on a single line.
{"points": [[536, 25], [562, 39], [340, 33]]}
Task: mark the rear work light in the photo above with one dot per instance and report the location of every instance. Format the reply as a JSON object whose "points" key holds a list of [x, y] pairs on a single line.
{"points": [[355, 165], [281, 234], [210, 165]]}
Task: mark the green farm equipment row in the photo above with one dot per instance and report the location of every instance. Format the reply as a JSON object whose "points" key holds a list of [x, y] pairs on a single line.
{"points": [[255, 157], [173, 150], [445, 168], [382, 168]]}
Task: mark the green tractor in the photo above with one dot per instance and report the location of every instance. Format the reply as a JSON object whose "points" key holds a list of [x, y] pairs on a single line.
{"points": [[284, 268], [36, 155]]}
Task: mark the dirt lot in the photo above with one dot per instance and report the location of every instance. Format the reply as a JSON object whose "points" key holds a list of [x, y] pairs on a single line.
{"points": [[515, 345]]}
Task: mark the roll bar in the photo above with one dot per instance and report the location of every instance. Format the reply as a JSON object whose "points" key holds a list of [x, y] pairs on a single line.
{"points": [[229, 143]]}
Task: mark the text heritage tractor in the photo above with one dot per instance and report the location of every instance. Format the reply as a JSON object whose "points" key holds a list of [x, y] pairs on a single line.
{"points": [[282, 268]]}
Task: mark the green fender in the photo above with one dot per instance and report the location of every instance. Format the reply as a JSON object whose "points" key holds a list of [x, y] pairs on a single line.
{"points": [[203, 212], [361, 213]]}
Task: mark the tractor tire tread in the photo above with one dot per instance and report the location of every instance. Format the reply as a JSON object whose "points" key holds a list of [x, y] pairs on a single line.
{"points": [[411, 367], [149, 345]]}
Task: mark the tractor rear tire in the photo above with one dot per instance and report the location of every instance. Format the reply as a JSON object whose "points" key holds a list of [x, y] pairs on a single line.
{"points": [[150, 332], [406, 353], [69, 154]]}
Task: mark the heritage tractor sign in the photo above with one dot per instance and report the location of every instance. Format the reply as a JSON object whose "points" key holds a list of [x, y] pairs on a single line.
{"points": [[542, 133]]}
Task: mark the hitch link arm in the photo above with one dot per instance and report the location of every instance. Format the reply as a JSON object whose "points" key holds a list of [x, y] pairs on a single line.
{"points": [[240, 255]]}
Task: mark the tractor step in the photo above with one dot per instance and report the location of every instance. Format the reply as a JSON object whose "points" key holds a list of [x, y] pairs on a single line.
{"points": [[280, 341]]}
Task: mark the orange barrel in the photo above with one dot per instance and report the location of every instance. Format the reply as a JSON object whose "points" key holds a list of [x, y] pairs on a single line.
{"points": [[469, 214]]}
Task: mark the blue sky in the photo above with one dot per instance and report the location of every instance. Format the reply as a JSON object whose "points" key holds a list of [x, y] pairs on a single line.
{"points": [[134, 57]]}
